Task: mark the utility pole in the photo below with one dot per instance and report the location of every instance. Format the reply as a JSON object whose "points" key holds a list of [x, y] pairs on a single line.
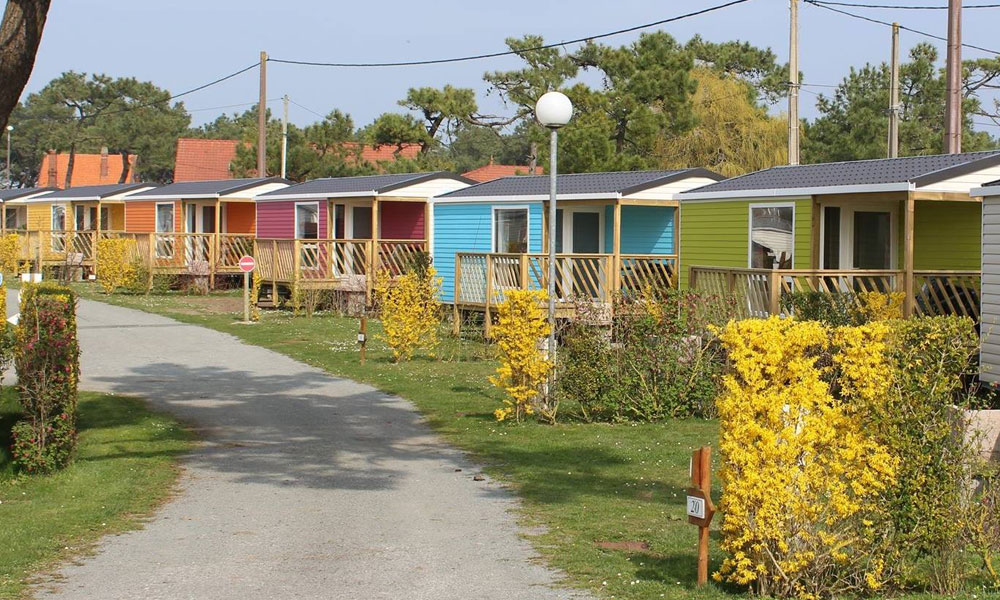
{"points": [[894, 94], [262, 119], [793, 84], [953, 97], [284, 136]]}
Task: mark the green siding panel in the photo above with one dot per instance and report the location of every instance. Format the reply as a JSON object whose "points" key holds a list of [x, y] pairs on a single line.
{"points": [[714, 234], [946, 235]]}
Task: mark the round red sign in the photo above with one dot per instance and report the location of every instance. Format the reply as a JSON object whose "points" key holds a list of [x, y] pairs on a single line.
{"points": [[247, 264]]}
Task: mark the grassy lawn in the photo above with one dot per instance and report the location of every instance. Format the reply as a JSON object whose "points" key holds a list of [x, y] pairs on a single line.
{"points": [[580, 484], [126, 466]]}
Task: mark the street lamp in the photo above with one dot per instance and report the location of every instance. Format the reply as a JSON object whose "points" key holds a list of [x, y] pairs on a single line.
{"points": [[10, 128], [553, 110]]}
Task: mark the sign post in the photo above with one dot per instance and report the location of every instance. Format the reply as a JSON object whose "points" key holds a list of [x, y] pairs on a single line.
{"points": [[247, 265], [700, 509]]}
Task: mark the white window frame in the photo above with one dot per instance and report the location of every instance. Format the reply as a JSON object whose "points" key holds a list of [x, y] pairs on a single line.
{"points": [[750, 208], [527, 233], [295, 234], [58, 235], [167, 235], [847, 210], [567, 226]]}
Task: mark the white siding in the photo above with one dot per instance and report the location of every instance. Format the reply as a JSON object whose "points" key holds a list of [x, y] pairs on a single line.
{"points": [[667, 191], [964, 183], [428, 189], [249, 193], [989, 296]]}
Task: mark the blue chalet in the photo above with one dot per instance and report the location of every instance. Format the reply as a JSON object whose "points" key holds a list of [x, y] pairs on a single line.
{"points": [[615, 232]]}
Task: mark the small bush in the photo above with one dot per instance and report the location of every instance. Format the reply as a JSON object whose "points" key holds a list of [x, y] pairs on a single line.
{"points": [[47, 359], [10, 253], [409, 309], [116, 264], [658, 360], [521, 328]]}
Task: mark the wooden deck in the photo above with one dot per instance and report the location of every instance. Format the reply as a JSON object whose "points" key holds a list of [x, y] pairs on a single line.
{"points": [[482, 279], [759, 292]]}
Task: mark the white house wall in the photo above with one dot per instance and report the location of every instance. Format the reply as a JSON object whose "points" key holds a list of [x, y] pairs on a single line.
{"points": [[963, 183], [667, 190], [428, 189], [990, 291]]}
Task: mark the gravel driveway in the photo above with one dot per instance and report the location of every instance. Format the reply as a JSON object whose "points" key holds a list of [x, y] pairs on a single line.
{"points": [[306, 486]]}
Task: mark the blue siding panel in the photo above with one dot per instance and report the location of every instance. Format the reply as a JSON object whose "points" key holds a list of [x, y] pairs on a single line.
{"points": [[467, 228], [645, 230]]}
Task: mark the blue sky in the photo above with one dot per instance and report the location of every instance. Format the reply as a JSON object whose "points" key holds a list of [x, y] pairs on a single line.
{"points": [[180, 44]]}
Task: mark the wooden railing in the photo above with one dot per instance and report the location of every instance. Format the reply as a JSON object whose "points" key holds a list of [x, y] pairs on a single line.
{"points": [[482, 279], [233, 247], [759, 292], [345, 264]]}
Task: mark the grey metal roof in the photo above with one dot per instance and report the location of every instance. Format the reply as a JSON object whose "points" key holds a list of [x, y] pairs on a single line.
{"points": [[217, 187], [15, 193], [920, 170], [622, 182], [96, 191], [362, 184]]}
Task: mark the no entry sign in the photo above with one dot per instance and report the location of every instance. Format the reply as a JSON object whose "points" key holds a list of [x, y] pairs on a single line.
{"points": [[247, 264]]}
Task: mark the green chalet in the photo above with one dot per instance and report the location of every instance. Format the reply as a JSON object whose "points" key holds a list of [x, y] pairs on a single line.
{"points": [[889, 225]]}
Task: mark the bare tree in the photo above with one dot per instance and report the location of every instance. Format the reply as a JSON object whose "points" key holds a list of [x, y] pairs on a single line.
{"points": [[20, 33]]}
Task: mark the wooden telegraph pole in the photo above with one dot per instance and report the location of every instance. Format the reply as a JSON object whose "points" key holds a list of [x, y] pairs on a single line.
{"points": [[700, 509], [894, 94], [793, 84], [262, 119], [953, 97]]}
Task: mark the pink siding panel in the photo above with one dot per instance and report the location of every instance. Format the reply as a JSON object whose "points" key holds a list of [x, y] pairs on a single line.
{"points": [[402, 220], [276, 220]]}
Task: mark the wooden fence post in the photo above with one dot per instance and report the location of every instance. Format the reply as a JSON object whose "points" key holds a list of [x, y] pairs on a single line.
{"points": [[274, 272], [213, 256], [487, 319], [151, 258], [774, 292]]}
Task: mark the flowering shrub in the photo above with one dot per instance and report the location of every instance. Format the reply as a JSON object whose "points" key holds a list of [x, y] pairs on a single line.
{"points": [[801, 476], [409, 309], [10, 254], [521, 327], [257, 280], [876, 306], [115, 264], [47, 359]]}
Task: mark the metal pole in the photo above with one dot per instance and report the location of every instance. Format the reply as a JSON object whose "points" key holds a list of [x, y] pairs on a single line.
{"points": [[953, 97], [9, 131], [894, 94], [793, 84], [262, 119], [246, 296], [553, 140], [284, 137]]}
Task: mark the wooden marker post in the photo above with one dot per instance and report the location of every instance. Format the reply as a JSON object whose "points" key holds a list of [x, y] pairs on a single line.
{"points": [[700, 509], [363, 337]]}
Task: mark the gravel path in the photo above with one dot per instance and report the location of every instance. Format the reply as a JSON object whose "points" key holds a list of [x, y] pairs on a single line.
{"points": [[307, 486]]}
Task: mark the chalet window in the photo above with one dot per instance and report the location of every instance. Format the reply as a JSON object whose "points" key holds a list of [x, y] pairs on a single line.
{"points": [[771, 236], [510, 230], [15, 218], [105, 218], [165, 225], [58, 224], [307, 221]]}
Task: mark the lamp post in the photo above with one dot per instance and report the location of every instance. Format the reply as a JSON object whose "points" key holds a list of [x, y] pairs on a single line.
{"points": [[10, 128], [553, 110]]}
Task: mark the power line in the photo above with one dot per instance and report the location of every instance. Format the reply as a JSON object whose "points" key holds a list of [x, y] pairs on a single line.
{"points": [[821, 4], [306, 108], [902, 7], [439, 61]]}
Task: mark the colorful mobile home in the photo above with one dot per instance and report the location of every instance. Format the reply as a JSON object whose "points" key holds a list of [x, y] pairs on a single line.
{"points": [[989, 350], [899, 224], [614, 232], [200, 227], [332, 232], [15, 211], [63, 226]]}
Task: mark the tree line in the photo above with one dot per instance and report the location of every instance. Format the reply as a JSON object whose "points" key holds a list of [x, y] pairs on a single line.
{"points": [[658, 104]]}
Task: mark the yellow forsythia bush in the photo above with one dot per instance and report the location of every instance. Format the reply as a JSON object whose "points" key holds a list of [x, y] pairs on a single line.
{"points": [[521, 326], [876, 306], [10, 253], [115, 267], [410, 310], [799, 473]]}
